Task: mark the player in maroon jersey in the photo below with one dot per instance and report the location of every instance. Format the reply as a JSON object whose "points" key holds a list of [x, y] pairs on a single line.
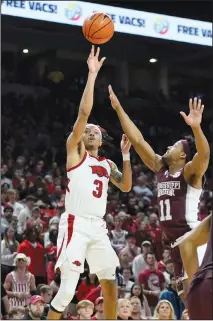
{"points": [[200, 295], [179, 173]]}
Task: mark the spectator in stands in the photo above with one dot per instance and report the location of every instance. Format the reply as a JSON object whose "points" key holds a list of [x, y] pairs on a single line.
{"points": [[4, 176], [118, 236], [9, 247], [132, 207], [166, 255], [36, 308], [164, 311], [30, 247], [136, 225], [53, 225], [26, 214], [137, 291], [131, 249], [46, 293], [169, 271], [139, 264], [49, 184], [86, 286], [124, 260], [14, 225], [85, 309], [142, 234], [51, 251], [170, 294], [137, 312], [141, 189], [124, 309], [152, 281], [156, 235], [126, 280], [94, 294], [16, 313], [12, 201], [20, 282], [7, 218], [35, 219], [23, 188], [99, 308]]}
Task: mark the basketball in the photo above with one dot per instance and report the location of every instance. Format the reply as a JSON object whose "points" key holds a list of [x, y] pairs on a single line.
{"points": [[98, 28]]}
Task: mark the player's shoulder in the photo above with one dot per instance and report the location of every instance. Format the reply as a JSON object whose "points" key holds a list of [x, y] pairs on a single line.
{"points": [[111, 164]]}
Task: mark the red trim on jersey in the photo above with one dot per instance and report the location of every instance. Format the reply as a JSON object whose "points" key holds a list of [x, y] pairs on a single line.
{"points": [[70, 222], [74, 167], [59, 253], [99, 158]]}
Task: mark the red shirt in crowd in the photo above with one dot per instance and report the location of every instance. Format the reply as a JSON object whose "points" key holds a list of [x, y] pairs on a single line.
{"points": [[161, 266], [152, 281], [37, 257], [84, 290], [94, 294]]}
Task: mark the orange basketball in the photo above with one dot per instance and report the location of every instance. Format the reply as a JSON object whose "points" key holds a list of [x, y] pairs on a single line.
{"points": [[98, 28]]}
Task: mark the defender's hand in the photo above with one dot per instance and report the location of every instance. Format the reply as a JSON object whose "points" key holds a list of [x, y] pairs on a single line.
{"points": [[113, 98], [125, 144], [93, 63], [195, 113]]}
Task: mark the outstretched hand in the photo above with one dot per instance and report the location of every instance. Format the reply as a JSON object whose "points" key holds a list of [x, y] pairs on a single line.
{"points": [[194, 117], [113, 98], [93, 63], [125, 144]]}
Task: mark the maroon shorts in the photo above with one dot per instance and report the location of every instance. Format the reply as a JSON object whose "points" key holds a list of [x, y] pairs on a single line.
{"points": [[200, 299]]}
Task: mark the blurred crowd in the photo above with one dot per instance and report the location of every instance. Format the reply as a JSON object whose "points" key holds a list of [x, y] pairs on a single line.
{"points": [[35, 123]]}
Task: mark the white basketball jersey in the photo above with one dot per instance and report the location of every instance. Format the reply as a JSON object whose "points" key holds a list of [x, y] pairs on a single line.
{"points": [[87, 188]]}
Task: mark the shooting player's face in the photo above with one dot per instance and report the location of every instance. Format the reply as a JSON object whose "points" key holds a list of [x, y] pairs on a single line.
{"points": [[92, 138]]}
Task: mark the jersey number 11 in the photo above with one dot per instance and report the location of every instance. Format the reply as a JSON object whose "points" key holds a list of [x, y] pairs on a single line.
{"points": [[165, 210]]}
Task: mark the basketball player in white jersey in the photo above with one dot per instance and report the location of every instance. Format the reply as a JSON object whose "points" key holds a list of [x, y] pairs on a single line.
{"points": [[82, 229], [180, 174]]}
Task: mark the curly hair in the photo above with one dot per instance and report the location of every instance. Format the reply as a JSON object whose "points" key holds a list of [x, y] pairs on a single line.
{"points": [[193, 150], [191, 143]]}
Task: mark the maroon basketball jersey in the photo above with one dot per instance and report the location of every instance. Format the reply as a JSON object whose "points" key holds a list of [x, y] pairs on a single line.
{"points": [[177, 204]]}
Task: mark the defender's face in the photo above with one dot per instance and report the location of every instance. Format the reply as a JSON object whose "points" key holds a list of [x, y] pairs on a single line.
{"points": [[92, 138], [174, 153]]}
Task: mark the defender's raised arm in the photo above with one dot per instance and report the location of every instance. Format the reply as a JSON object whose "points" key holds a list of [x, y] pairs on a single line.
{"points": [[144, 150], [199, 164]]}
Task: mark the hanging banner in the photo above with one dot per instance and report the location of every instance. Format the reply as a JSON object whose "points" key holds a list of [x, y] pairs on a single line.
{"points": [[127, 21]]}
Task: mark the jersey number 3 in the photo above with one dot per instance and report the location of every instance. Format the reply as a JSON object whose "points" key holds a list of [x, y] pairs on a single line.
{"points": [[165, 210], [99, 187]]}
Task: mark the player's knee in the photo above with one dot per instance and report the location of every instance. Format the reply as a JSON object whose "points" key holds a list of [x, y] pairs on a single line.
{"points": [[106, 275]]}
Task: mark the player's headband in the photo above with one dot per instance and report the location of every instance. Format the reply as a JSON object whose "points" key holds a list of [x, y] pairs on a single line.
{"points": [[97, 127], [186, 149]]}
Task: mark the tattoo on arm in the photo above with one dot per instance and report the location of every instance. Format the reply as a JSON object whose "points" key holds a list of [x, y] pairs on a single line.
{"points": [[116, 174]]}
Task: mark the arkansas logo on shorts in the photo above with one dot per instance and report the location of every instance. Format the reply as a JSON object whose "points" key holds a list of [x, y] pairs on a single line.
{"points": [[77, 263]]}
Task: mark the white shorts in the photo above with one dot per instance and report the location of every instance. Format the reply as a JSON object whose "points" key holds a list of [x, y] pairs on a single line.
{"points": [[81, 238]]}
